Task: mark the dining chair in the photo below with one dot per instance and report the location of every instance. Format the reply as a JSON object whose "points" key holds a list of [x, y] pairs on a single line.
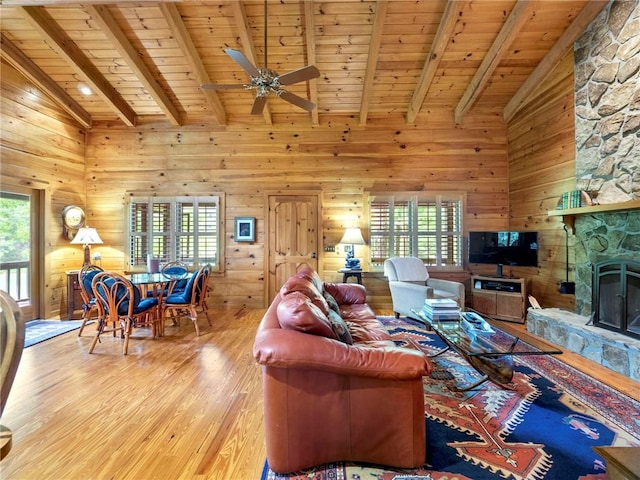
{"points": [[177, 271], [121, 304], [188, 301], [85, 277]]}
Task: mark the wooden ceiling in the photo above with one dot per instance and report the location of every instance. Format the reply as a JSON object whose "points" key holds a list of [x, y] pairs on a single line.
{"points": [[375, 57]]}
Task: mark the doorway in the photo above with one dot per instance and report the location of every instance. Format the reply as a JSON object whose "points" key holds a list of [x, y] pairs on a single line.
{"points": [[292, 237], [20, 220]]}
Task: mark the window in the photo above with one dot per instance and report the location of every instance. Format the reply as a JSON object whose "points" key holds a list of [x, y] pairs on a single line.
{"points": [[420, 225], [185, 229]]}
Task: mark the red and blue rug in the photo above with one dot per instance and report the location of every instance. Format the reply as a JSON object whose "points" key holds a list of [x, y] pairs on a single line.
{"points": [[543, 429]]}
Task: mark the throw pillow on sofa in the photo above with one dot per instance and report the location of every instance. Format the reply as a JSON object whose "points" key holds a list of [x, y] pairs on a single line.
{"points": [[333, 305], [297, 312], [340, 328]]}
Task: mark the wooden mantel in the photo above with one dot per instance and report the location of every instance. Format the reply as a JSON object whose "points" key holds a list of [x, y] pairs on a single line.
{"points": [[569, 214]]}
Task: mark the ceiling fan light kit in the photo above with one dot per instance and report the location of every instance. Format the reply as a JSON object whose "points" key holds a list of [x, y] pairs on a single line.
{"points": [[265, 81]]}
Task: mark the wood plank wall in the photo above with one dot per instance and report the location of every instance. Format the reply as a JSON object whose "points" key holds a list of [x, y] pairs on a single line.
{"points": [[340, 159], [42, 148], [541, 146]]}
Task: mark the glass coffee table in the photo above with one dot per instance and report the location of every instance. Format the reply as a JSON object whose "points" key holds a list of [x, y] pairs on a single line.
{"points": [[489, 351]]}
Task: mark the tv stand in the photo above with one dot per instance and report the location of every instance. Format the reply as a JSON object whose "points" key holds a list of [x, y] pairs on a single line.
{"points": [[500, 298]]}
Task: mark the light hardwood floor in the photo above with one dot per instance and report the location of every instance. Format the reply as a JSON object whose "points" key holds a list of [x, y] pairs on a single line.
{"points": [[180, 407]]}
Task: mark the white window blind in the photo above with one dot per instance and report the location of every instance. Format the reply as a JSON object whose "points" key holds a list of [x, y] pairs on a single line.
{"points": [[185, 229], [425, 226]]}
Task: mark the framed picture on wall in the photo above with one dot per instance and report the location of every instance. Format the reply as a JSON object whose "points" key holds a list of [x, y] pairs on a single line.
{"points": [[245, 230]]}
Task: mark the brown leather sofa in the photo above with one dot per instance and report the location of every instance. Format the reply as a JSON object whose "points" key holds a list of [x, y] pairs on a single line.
{"points": [[335, 395]]}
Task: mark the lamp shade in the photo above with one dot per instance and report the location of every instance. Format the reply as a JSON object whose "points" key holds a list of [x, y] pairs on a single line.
{"points": [[86, 236], [353, 236]]}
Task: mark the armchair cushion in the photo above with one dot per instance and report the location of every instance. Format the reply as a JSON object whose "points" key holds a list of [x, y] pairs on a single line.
{"points": [[406, 269]]}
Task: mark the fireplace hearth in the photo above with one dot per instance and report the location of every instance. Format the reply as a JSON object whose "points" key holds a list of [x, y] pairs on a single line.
{"points": [[616, 296]]}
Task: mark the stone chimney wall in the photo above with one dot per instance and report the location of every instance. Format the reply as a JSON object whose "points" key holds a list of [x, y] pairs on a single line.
{"points": [[607, 124], [607, 89]]}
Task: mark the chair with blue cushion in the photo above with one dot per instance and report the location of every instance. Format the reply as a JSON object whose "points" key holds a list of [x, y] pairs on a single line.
{"points": [[176, 275], [120, 304], [187, 301], [85, 278]]}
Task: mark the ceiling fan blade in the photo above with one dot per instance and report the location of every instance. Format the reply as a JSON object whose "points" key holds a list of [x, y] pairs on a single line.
{"points": [[243, 61], [296, 100], [258, 105], [217, 86], [305, 73]]}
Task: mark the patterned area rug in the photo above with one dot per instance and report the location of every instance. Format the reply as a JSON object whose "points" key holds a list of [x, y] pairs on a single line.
{"points": [[38, 331], [544, 428]]}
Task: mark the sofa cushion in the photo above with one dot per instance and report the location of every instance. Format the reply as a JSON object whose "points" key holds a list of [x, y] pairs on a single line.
{"points": [[358, 311], [347, 293], [306, 287], [340, 327], [367, 330], [310, 274], [297, 312]]}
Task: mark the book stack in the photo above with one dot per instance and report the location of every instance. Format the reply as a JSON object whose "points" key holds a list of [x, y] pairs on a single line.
{"points": [[574, 199], [440, 309]]}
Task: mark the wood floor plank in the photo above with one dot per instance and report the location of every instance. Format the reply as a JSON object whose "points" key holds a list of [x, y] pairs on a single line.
{"points": [[179, 407]]}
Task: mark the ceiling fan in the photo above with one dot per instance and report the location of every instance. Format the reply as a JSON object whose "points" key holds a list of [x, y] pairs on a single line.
{"points": [[265, 81]]}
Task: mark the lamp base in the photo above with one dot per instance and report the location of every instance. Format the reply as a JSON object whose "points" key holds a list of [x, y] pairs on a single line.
{"points": [[87, 255], [352, 263]]}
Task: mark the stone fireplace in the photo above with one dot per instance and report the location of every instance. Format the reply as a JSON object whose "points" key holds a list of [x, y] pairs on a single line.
{"points": [[616, 296], [607, 129]]}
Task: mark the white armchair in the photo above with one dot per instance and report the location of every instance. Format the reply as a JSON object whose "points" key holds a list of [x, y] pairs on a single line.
{"points": [[410, 285]]}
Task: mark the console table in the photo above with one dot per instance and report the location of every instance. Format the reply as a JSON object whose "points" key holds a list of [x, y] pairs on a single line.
{"points": [[500, 298], [347, 272]]}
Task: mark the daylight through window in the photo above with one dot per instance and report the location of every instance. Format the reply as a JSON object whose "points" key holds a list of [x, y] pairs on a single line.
{"points": [[184, 229], [425, 226]]}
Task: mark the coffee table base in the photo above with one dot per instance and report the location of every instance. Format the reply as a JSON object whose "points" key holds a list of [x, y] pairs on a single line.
{"points": [[501, 375]]}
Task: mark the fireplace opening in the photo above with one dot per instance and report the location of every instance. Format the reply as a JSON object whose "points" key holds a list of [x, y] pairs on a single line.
{"points": [[616, 296]]}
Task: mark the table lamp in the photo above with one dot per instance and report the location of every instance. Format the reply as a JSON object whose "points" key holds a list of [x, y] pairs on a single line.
{"points": [[86, 236], [354, 237]]}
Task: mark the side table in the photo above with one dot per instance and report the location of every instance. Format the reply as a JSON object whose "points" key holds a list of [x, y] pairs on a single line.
{"points": [[74, 295], [347, 272]]}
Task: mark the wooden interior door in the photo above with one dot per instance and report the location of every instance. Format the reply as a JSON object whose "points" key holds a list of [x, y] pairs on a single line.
{"points": [[292, 237]]}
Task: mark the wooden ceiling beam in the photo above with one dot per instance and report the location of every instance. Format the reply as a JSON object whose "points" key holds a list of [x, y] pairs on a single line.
{"points": [[309, 31], [445, 30], [110, 28], [522, 11], [372, 58], [182, 36], [242, 24], [14, 56], [554, 56], [67, 49]]}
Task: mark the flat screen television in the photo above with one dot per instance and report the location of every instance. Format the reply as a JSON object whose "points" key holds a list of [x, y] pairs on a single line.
{"points": [[504, 248]]}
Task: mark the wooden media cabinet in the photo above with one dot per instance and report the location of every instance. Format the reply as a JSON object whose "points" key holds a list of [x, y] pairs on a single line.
{"points": [[500, 298]]}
